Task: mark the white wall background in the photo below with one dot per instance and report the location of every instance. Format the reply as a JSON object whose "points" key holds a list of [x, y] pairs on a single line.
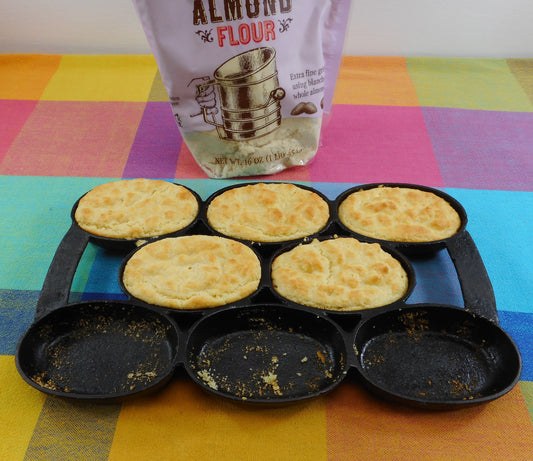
{"points": [[450, 28]]}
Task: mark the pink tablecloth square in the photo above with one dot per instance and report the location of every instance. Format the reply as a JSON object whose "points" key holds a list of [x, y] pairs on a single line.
{"points": [[13, 116], [376, 143], [75, 139]]}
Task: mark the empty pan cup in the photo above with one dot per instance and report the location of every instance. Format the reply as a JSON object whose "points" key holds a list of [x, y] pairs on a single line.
{"points": [[99, 351], [266, 354], [436, 357]]}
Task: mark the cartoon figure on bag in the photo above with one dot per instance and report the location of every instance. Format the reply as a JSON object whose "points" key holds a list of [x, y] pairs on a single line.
{"points": [[249, 94]]}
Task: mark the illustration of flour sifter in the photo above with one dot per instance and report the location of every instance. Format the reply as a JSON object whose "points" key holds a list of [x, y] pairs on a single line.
{"points": [[249, 94]]}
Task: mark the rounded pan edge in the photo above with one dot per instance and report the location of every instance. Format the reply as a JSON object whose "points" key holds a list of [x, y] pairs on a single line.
{"points": [[101, 351], [266, 354], [410, 248], [436, 357]]}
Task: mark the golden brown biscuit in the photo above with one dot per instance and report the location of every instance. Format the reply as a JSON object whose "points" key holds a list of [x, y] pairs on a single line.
{"points": [[136, 208], [273, 212], [192, 272], [399, 214], [340, 274]]}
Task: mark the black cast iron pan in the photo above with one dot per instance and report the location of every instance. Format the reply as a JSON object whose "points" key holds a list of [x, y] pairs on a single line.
{"points": [[426, 356], [70, 250], [99, 350]]}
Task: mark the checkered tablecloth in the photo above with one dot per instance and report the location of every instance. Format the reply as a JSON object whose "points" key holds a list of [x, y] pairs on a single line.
{"points": [[68, 123]]}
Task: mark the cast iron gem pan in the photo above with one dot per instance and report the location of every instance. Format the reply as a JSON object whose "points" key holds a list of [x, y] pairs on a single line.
{"points": [[266, 350]]}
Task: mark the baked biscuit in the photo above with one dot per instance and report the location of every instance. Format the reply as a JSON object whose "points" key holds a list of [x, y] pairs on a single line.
{"points": [[399, 214], [192, 272], [340, 274], [136, 208], [268, 212]]}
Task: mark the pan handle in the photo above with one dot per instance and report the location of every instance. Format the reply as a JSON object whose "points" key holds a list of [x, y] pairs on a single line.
{"points": [[58, 280], [478, 294]]}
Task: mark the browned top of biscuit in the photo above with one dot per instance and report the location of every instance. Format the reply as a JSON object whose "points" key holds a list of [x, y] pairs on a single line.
{"points": [[399, 214], [272, 212], [136, 208], [339, 274], [192, 272]]}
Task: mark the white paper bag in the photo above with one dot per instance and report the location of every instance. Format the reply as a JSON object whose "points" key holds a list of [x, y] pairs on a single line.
{"points": [[248, 80]]}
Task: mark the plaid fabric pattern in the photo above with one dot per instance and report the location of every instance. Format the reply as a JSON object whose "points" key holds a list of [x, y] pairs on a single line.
{"points": [[68, 123]]}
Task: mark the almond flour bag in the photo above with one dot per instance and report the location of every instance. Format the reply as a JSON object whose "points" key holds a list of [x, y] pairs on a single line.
{"points": [[248, 80]]}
